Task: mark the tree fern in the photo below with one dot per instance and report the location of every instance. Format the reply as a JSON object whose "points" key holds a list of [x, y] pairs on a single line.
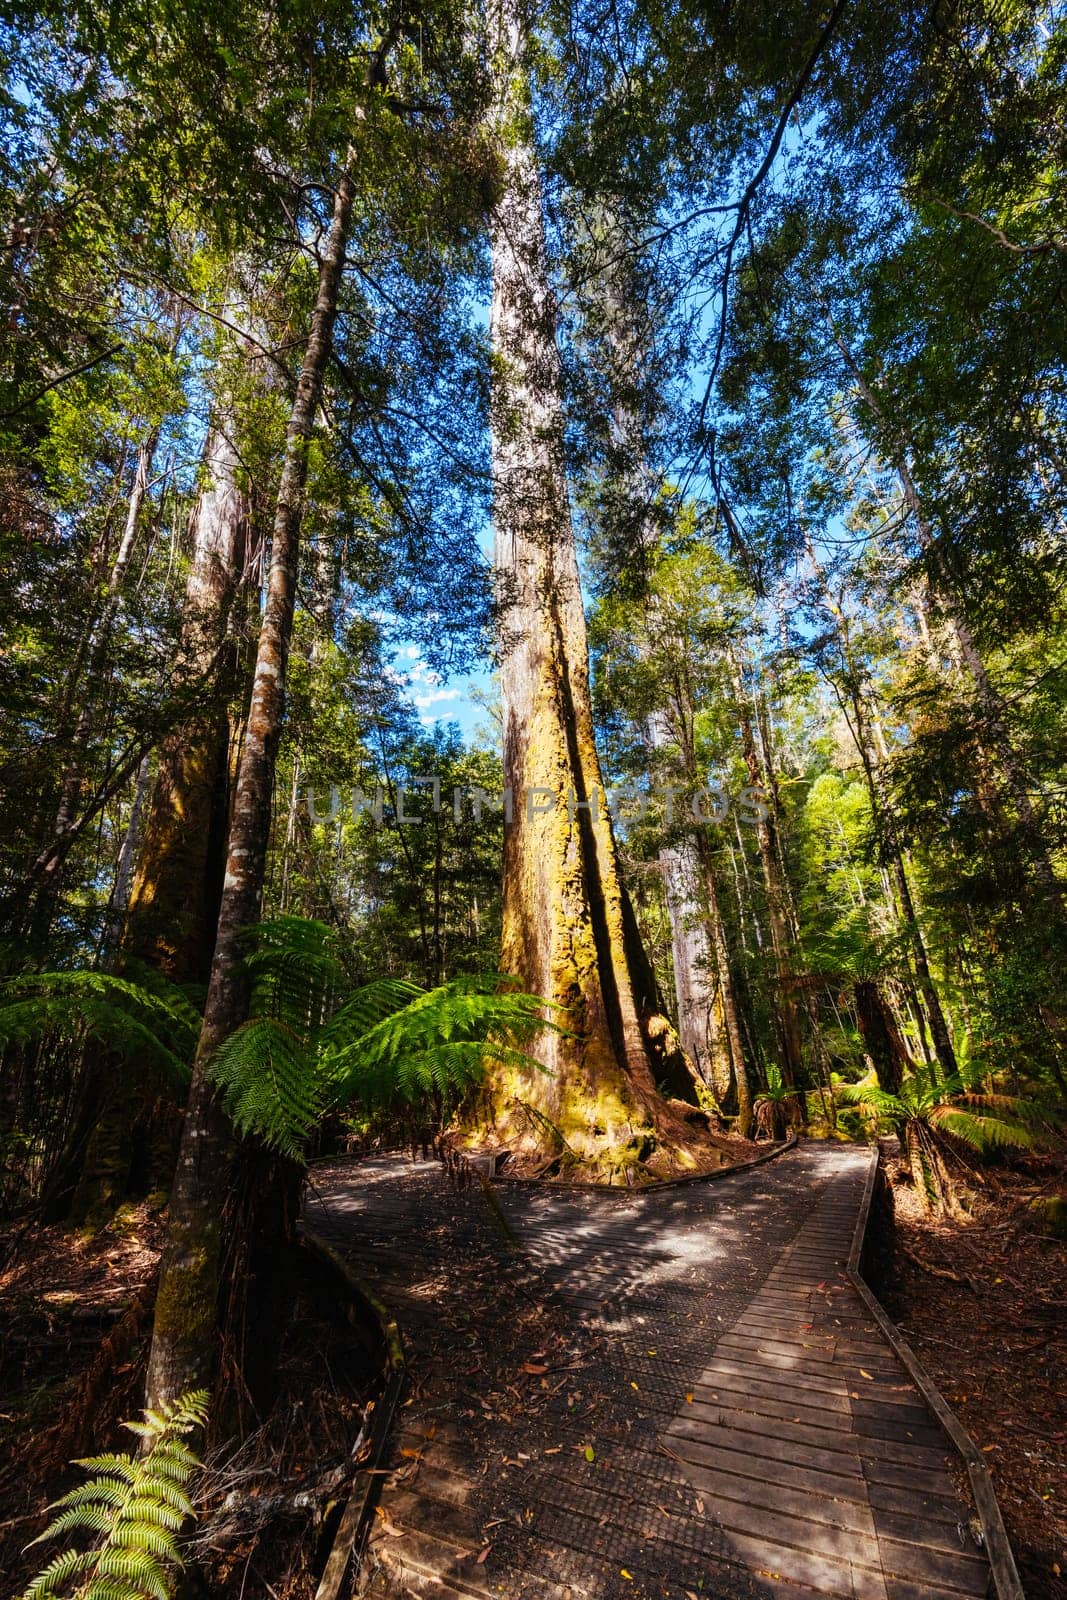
{"points": [[934, 1117], [313, 1045], [150, 1021], [133, 1509]]}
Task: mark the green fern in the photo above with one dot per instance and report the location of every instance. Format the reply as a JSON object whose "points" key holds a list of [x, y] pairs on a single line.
{"points": [[313, 1045], [150, 1021], [934, 1118], [133, 1509]]}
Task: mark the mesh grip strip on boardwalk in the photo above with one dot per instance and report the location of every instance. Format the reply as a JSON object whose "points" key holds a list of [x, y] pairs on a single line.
{"points": [[822, 1462], [751, 1432]]}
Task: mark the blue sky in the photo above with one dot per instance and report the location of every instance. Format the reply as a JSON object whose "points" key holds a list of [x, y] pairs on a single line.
{"points": [[437, 698]]}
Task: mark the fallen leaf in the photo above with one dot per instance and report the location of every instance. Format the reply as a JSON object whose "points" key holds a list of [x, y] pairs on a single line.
{"points": [[553, 1450], [590, 1453], [634, 1386], [534, 1367], [627, 1575], [865, 1374], [689, 1399], [483, 1552]]}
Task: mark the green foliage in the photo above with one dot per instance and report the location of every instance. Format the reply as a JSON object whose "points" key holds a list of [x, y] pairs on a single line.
{"points": [[150, 1022], [133, 1510], [982, 1121], [937, 1120], [315, 1043]]}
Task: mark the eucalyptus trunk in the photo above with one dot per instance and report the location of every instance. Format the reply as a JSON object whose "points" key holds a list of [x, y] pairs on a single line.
{"points": [[566, 931], [176, 892]]}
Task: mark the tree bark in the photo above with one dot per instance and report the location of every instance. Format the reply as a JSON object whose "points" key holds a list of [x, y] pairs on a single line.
{"points": [[880, 1035], [785, 1009], [185, 1339], [563, 915], [175, 897]]}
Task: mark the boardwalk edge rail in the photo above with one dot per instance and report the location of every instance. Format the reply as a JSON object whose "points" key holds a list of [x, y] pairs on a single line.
{"points": [[355, 1519], [998, 1549]]}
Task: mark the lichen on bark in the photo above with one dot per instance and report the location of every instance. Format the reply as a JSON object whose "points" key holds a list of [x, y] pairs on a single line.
{"points": [[565, 916]]}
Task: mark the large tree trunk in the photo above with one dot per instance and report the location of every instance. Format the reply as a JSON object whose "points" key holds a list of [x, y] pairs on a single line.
{"points": [[701, 1022], [727, 988], [185, 1340], [563, 918], [880, 1035], [174, 901]]}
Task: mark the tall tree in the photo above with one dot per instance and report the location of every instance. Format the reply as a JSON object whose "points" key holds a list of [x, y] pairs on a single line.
{"points": [[568, 931], [184, 1349]]}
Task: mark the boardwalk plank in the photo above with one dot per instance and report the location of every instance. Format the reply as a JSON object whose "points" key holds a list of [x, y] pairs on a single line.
{"points": [[739, 1428]]}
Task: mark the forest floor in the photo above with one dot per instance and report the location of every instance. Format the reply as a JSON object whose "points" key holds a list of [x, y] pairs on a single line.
{"points": [[983, 1306], [75, 1317]]}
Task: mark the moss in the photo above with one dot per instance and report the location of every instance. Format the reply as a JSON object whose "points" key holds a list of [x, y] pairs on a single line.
{"points": [[188, 1290], [1051, 1212]]}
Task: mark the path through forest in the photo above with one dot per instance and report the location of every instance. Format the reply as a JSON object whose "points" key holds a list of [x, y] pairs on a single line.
{"points": [[669, 1394]]}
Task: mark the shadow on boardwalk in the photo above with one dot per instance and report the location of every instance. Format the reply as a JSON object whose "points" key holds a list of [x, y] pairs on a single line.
{"points": [[667, 1395]]}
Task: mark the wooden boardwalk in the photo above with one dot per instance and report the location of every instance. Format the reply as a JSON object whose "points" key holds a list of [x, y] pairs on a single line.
{"points": [[679, 1395]]}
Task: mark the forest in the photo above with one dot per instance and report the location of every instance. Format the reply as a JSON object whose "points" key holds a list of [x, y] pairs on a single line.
{"points": [[533, 562]]}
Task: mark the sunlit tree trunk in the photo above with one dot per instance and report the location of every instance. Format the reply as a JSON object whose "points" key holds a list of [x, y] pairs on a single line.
{"points": [[700, 1011], [565, 929]]}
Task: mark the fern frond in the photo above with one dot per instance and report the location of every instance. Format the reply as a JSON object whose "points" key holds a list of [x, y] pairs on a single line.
{"points": [[134, 1509], [296, 970], [58, 1573], [982, 1132], [157, 1025], [266, 1073]]}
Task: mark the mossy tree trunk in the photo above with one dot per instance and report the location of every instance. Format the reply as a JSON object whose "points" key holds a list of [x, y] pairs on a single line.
{"points": [[186, 1339], [880, 1035], [564, 913]]}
